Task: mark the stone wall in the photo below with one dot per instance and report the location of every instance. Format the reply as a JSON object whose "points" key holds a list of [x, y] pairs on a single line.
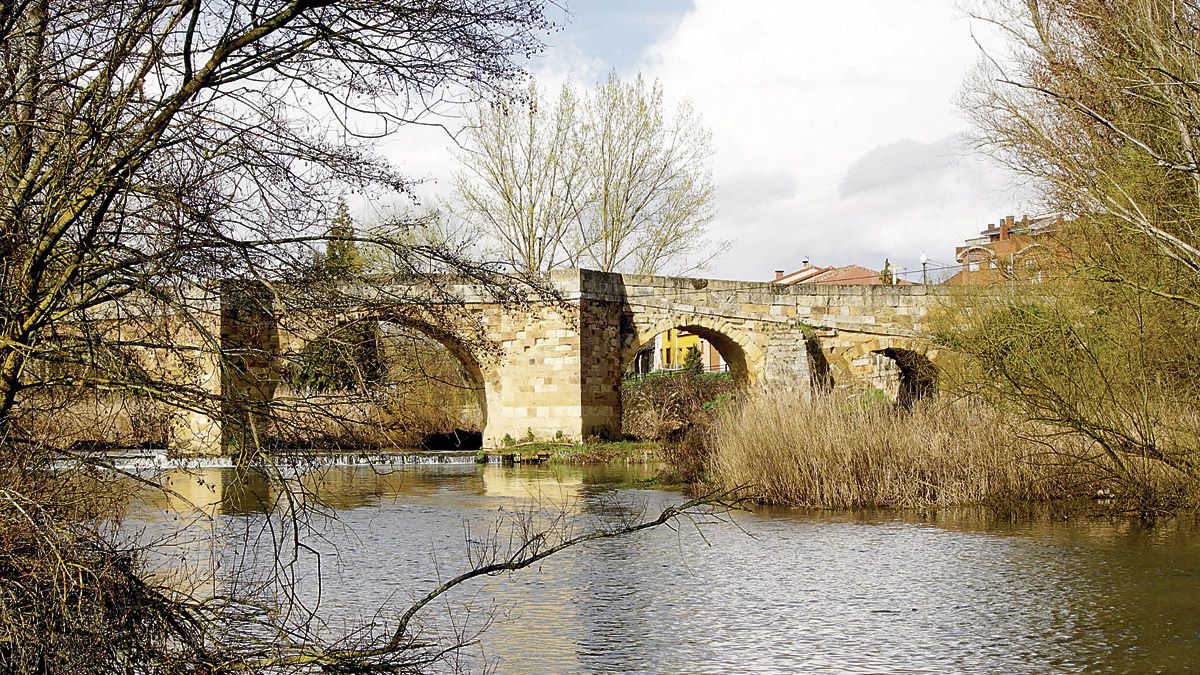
{"points": [[768, 332]]}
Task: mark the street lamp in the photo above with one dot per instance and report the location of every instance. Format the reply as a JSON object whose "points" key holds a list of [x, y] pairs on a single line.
{"points": [[924, 269]]}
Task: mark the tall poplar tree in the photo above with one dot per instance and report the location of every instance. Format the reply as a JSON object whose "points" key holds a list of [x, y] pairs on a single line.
{"points": [[609, 181]]}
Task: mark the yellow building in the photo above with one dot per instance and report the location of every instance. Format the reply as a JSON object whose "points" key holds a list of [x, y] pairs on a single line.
{"points": [[671, 349]]}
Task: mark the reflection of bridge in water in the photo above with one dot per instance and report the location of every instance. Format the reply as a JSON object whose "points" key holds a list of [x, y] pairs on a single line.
{"points": [[207, 494], [415, 520], [557, 366]]}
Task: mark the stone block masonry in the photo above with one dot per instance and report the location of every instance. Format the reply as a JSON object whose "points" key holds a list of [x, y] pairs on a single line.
{"points": [[555, 367]]}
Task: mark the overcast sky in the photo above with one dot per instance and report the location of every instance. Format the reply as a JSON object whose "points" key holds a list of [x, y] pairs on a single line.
{"points": [[835, 125]]}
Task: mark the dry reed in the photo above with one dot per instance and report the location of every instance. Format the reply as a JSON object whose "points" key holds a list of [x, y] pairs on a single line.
{"points": [[839, 454]]}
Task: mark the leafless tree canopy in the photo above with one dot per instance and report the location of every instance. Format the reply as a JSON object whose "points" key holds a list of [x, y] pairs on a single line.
{"points": [[153, 145], [157, 155], [607, 181]]}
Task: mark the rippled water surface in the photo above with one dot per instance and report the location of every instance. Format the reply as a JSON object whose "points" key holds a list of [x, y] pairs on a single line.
{"points": [[779, 591]]}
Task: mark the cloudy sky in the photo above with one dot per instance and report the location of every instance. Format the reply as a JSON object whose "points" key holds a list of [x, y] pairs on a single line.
{"points": [[835, 125]]}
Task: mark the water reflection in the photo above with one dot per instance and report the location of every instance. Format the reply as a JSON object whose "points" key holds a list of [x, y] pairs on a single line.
{"points": [[790, 591], [227, 491]]}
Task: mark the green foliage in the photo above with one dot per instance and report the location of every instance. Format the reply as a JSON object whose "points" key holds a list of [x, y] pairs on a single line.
{"points": [[872, 399], [348, 358], [599, 452], [886, 276], [342, 257], [692, 362], [662, 406], [1078, 366], [529, 436], [722, 400], [509, 441], [591, 451], [1105, 353]]}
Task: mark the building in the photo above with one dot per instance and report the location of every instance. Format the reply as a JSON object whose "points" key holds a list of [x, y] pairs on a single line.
{"points": [[669, 351], [847, 274], [1010, 251]]}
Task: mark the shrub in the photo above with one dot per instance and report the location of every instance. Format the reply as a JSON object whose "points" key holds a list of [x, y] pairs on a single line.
{"points": [[687, 459], [346, 358], [665, 406]]}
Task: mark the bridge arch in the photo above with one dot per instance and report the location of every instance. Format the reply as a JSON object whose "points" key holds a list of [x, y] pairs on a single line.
{"points": [[741, 352], [902, 366], [918, 375], [476, 377], [552, 367]]}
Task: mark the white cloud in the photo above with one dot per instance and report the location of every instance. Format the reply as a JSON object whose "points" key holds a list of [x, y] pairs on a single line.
{"points": [[836, 129], [835, 123]]}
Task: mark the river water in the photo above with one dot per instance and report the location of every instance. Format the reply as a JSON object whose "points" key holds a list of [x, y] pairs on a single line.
{"points": [[776, 591]]}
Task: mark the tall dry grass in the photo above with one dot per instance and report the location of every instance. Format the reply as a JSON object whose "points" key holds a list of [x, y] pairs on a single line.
{"points": [[838, 454]]}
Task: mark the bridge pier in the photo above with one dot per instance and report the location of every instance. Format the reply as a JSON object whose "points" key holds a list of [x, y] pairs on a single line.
{"points": [[558, 374], [195, 363]]}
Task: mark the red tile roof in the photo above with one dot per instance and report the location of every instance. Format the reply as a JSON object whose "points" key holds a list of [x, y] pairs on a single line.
{"points": [[848, 274]]}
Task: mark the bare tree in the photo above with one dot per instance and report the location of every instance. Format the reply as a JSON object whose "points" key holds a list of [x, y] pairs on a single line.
{"points": [[156, 156], [609, 182], [1095, 102], [518, 173], [149, 146], [647, 200]]}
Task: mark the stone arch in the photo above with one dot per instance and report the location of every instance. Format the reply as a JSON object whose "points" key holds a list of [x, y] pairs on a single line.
{"points": [[918, 375], [902, 366], [821, 377], [740, 351], [479, 379], [478, 376]]}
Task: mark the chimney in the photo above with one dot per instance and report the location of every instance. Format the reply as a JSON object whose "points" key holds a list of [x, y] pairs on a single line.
{"points": [[778, 275], [1006, 224], [804, 261]]}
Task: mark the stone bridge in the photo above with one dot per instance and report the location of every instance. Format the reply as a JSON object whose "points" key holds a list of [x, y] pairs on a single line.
{"points": [[555, 368]]}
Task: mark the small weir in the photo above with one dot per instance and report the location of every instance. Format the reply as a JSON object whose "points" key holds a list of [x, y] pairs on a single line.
{"points": [[150, 460]]}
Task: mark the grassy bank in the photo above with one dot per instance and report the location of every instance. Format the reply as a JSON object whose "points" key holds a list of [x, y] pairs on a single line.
{"points": [[833, 453]]}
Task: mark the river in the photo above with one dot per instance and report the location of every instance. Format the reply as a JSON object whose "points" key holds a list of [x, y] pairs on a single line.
{"points": [[777, 591]]}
